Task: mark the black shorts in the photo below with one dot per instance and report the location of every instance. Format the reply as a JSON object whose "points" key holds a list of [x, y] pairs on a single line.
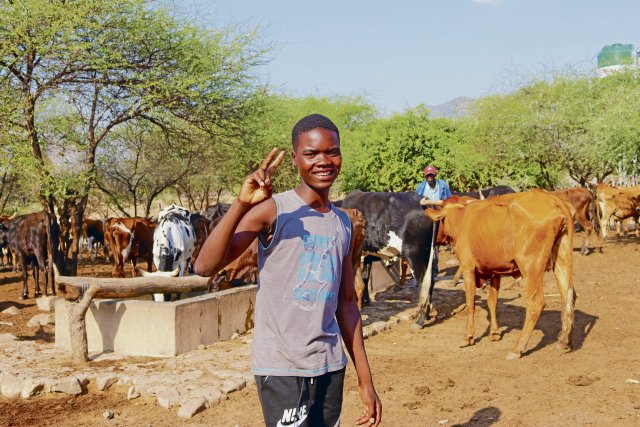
{"points": [[301, 401]]}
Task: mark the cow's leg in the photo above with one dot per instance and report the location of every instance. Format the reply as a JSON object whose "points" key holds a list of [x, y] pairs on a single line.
{"points": [[25, 277], [563, 271], [366, 278], [425, 280], [470, 281], [456, 277], [534, 303], [133, 267], [404, 265], [359, 285], [492, 302]]}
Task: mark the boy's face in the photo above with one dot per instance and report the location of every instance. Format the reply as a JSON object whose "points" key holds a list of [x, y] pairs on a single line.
{"points": [[317, 157]]}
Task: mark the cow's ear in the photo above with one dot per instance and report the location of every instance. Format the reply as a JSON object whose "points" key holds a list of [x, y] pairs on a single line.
{"points": [[435, 215]]}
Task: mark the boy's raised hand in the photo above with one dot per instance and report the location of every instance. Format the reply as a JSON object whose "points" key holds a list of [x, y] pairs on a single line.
{"points": [[257, 185]]}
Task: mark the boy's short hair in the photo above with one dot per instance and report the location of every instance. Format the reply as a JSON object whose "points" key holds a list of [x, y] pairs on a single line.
{"points": [[311, 122]]}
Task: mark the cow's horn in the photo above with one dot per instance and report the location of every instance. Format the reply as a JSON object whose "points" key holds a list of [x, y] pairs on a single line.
{"points": [[481, 195], [426, 202], [12, 217]]}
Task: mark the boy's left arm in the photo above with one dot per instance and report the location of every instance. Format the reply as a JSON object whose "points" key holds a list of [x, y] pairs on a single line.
{"points": [[350, 323]]}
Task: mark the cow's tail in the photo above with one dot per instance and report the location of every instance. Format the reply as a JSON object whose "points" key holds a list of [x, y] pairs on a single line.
{"points": [[595, 213], [563, 271]]}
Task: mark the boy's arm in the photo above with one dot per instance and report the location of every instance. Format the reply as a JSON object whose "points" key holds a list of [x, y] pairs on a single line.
{"points": [[350, 324], [252, 212]]}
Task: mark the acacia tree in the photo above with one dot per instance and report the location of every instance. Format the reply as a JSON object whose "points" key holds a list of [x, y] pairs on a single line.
{"points": [[94, 66]]}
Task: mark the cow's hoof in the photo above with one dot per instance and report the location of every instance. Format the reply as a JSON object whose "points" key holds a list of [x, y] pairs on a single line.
{"points": [[37, 295], [468, 342], [563, 347], [513, 356], [24, 296], [495, 336]]}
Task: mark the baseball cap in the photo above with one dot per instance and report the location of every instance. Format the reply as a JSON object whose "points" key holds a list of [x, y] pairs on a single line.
{"points": [[430, 170]]}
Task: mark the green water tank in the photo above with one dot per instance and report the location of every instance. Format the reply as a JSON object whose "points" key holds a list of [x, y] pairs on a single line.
{"points": [[617, 54]]}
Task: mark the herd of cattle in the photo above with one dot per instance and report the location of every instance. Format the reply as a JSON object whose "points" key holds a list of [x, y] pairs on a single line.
{"points": [[493, 232]]}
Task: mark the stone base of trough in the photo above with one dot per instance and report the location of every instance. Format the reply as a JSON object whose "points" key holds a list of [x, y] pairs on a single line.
{"points": [[148, 328]]}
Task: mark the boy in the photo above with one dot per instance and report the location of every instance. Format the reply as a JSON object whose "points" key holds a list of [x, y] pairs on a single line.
{"points": [[305, 306]]}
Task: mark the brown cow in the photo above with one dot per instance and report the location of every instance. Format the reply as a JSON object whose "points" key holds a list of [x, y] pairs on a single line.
{"points": [[240, 271], [34, 239], [619, 204], [579, 200], [129, 239], [520, 234]]}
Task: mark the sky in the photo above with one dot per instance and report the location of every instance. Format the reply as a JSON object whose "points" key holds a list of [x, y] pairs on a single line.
{"points": [[398, 54]]}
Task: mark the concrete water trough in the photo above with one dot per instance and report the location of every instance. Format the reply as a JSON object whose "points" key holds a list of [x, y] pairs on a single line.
{"points": [[148, 328]]}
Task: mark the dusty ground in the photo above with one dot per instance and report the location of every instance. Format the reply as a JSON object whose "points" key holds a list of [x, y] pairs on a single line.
{"points": [[423, 377]]}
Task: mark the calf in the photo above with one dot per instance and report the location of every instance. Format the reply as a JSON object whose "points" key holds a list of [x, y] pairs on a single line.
{"points": [[34, 239], [396, 226], [129, 239], [520, 234]]}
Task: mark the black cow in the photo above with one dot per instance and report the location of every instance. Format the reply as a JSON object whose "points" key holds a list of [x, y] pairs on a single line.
{"points": [[397, 226], [34, 239], [498, 190], [93, 232], [214, 213]]}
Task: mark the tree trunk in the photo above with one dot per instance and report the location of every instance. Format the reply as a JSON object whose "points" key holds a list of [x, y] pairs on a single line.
{"points": [[71, 288], [78, 328]]}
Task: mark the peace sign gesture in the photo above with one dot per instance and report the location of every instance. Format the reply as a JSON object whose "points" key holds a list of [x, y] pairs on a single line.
{"points": [[257, 185]]}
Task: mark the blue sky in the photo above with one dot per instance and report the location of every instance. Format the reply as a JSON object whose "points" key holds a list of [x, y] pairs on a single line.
{"points": [[398, 54]]}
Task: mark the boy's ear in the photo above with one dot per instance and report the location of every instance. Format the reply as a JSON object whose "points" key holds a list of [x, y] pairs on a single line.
{"points": [[293, 157]]}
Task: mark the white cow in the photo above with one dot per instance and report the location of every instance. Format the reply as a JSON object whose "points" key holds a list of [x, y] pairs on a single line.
{"points": [[173, 241]]}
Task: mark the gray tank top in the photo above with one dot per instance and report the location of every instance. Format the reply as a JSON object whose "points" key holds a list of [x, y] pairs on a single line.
{"points": [[296, 332]]}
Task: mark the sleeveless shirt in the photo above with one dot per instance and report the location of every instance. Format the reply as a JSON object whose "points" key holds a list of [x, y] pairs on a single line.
{"points": [[296, 332]]}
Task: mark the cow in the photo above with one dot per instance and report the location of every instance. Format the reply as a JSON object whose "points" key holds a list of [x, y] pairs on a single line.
{"points": [[93, 232], [397, 227], [6, 254], [215, 212], [240, 271], [486, 193], [129, 239], [34, 239], [200, 226], [580, 201], [619, 204], [521, 234], [173, 240]]}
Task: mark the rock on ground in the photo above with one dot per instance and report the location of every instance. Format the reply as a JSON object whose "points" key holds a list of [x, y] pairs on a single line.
{"points": [[11, 386], [11, 310], [168, 397], [192, 407], [31, 387], [103, 382], [68, 385], [42, 320], [46, 303]]}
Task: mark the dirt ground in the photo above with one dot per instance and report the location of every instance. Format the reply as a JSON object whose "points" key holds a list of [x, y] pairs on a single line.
{"points": [[423, 377]]}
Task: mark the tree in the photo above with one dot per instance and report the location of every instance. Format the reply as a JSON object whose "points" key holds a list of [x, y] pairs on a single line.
{"points": [[88, 67]]}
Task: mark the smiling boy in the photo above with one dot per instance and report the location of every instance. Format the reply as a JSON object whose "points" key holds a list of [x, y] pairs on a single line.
{"points": [[305, 305]]}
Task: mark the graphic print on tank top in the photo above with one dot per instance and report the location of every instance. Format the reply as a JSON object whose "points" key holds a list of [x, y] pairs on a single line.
{"points": [[315, 273]]}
